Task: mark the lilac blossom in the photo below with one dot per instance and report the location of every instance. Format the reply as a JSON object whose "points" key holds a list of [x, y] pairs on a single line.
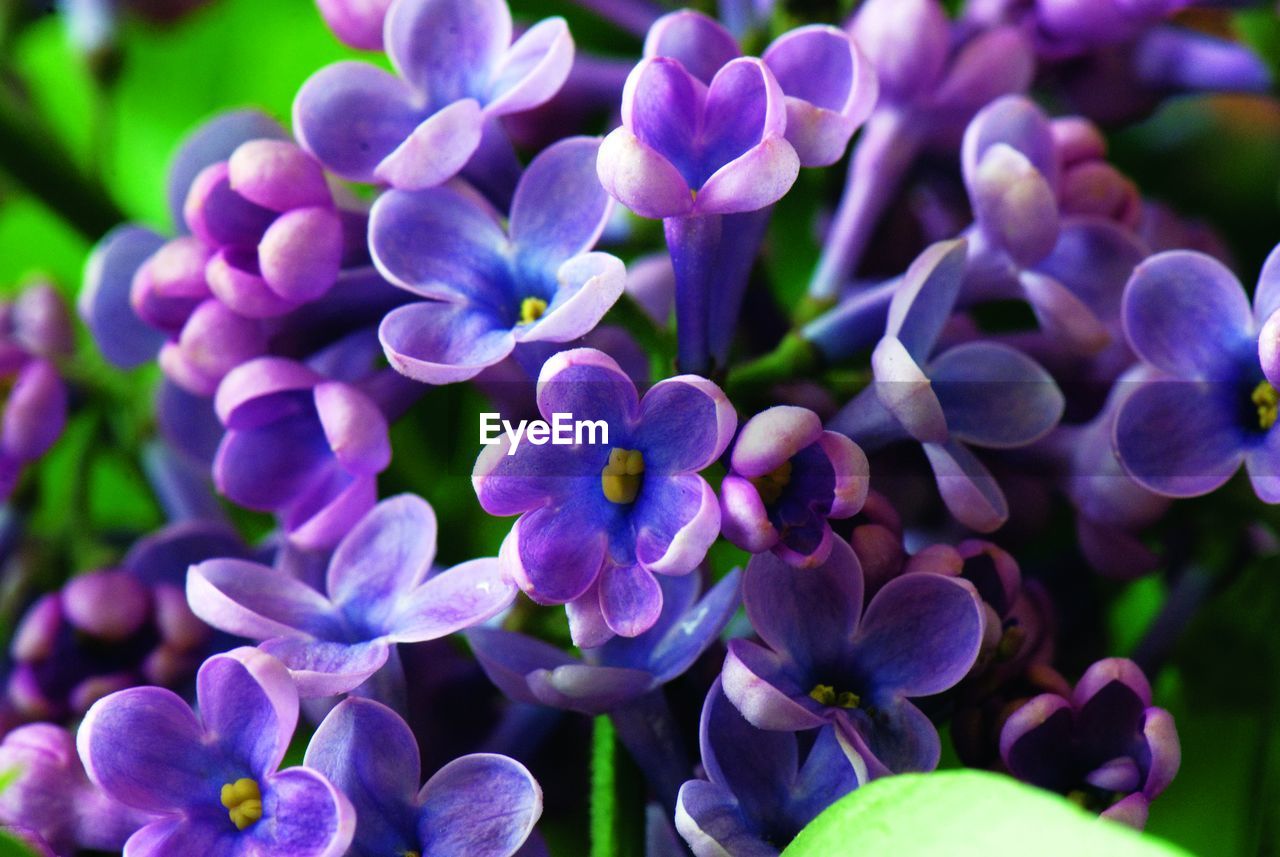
{"points": [[786, 477], [358, 23], [300, 445], [457, 70], [481, 805], [50, 797], [598, 520], [1211, 405], [824, 661], [974, 394], [379, 590], [212, 779], [34, 410], [758, 794], [1104, 744], [609, 676], [493, 292]]}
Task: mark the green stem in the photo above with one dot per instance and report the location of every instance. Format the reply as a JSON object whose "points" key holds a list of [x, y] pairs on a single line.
{"points": [[32, 156], [794, 357]]}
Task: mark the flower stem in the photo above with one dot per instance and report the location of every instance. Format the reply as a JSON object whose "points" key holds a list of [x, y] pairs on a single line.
{"points": [[793, 357], [647, 728], [693, 241]]}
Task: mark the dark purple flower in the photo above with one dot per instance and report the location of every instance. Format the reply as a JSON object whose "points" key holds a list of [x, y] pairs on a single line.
{"points": [[1212, 404], [623, 669], [50, 795], [456, 69], [297, 444], [1104, 746], [482, 805], [490, 289], [692, 148], [824, 662], [213, 779], [378, 591], [787, 477], [115, 628], [975, 394], [758, 793], [599, 519]]}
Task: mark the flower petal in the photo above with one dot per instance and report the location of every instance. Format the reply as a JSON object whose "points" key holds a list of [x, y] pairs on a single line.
{"points": [[482, 805], [1178, 438], [970, 492], [676, 520], [145, 748], [249, 706], [904, 389], [588, 384], [759, 177], [630, 599], [386, 555], [771, 437], [700, 43], [257, 601], [442, 343], [351, 115], [808, 615], [686, 423], [215, 140], [321, 668], [304, 815], [712, 823], [640, 178], [1015, 204], [559, 208], [436, 150], [447, 48], [1186, 314], [510, 659], [994, 395], [695, 630], [552, 556], [923, 301], [755, 682], [588, 286], [463, 596], [920, 635], [532, 70], [1015, 121], [104, 302]]}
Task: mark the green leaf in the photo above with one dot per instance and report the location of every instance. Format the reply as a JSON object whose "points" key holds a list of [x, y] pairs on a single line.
{"points": [[12, 847], [960, 813]]}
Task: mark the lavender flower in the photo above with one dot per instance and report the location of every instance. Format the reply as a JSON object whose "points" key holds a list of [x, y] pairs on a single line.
{"points": [[457, 70], [826, 662], [1212, 405], [977, 393], [379, 591], [492, 290], [758, 794], [620, 671], [1104, 746], [50, 797], [213, 779], [482, 805], [787, 477], [358, 23], [306, 448], [599, 520]]}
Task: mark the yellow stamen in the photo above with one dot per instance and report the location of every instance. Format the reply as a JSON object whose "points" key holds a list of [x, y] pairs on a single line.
{"points": [[1267, 401], [243, 800], [531, 309], [623, 475], [771, 484], [825, 694]]}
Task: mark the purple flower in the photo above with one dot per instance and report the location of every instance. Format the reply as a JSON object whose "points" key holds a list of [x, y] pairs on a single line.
{"points": [[787, 477], [828, 85], [34, 411], [213, 779], [692, 148], [456, 69], [482, 805], [598, 519], [824, 661], [1212, 404], [758, 794], [1104, 745], [491, 290], [358, 23], [623, 669], [379, 591], [306, 448], [51, 797], [974, 394], [270, 237]]}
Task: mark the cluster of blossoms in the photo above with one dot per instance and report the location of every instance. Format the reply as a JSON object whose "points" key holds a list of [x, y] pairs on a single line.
{"points": [[460, 216]]}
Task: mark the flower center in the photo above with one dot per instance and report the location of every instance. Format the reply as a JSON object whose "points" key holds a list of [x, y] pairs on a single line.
{"points": [[1267, 401], [622, 476], [825, 694], [531, 309], [243, 800], [771, 484]]}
